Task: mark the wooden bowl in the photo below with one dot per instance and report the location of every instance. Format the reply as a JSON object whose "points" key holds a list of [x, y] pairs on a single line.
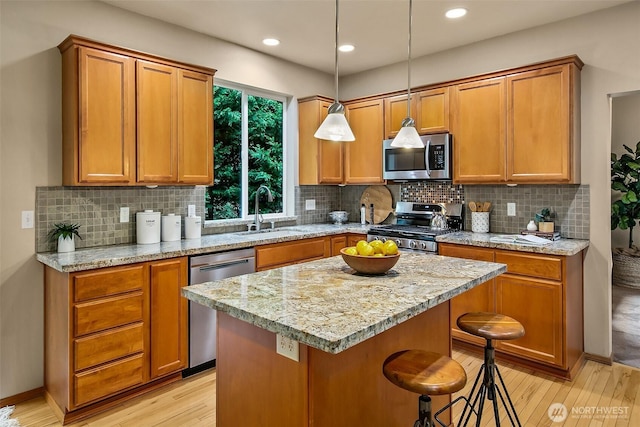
{"points": [[370, 264]]}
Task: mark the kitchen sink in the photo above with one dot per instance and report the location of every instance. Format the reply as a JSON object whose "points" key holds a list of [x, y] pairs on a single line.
{"points": [[279, 231]]}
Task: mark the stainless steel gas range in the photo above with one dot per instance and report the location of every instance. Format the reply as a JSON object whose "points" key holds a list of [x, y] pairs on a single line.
{"points": [[418, 224]]}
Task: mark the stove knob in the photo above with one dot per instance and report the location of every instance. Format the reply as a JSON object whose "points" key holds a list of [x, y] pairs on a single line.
{"points": [[423, 246], [383, 239], [413, 244], [399, 243]]}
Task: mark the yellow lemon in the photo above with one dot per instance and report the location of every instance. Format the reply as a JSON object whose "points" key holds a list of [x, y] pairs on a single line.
{"points": [[351, 250], [377, 246], [365, 250], [379, 254], [390, 247], [361, 244]]}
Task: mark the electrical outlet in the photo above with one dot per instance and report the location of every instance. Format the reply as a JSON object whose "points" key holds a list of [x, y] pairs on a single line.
{"points": [[310, 205], [511, 209], [27, 219], [288, 347], [124, 214], [191, 210]]}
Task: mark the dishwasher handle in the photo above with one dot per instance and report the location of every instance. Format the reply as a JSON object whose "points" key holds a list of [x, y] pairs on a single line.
{"points": [[223, 264]]}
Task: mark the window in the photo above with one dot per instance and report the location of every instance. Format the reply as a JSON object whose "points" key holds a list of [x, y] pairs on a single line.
{"points": [[248, 152]]}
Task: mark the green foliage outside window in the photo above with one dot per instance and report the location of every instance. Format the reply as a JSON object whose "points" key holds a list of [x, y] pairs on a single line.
{"points": [[265, 148]]}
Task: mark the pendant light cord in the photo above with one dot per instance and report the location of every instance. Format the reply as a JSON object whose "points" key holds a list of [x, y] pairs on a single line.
{"points": [[409, 62], [336, 53]]}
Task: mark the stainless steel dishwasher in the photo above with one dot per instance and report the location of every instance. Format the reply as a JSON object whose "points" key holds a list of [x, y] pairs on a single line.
{"points": [[202, 319]]}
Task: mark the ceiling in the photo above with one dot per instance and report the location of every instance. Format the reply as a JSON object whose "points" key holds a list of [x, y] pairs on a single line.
{"points": [[377, 28]]}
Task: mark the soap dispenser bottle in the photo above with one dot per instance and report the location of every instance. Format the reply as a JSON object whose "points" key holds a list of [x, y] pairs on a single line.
{"points": [[363, 214]]}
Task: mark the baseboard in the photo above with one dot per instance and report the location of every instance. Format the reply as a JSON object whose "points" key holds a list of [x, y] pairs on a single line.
{"points": [[22, 397], [600, 359]]}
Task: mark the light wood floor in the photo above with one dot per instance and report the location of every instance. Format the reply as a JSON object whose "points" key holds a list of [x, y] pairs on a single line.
{"points": [[596, 390]]}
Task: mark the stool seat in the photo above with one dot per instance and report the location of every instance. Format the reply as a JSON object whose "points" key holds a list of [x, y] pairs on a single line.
{"points": [[424, 372], [491, 326]]}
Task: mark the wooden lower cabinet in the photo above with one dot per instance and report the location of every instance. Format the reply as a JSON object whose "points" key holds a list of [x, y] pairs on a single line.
{"points": [[337, 243], [543, 292], [287, 253], [111, 333]]}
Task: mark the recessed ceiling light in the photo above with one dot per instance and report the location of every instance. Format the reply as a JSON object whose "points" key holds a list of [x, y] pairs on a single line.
{"points": [[346, 48], [271, 42], [456, 13]]}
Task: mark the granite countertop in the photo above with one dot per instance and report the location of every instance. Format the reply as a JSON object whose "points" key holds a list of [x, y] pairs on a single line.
{"points": [[566, 247], [106, 256], [326, 305]]}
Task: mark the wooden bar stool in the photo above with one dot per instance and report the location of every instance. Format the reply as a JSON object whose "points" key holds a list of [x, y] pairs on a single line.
{"points": [[425, 373], [490, 326]]}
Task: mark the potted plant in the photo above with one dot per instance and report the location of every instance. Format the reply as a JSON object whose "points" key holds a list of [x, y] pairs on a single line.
{"points": [[64, 234], [625, 179], [545, 220]]}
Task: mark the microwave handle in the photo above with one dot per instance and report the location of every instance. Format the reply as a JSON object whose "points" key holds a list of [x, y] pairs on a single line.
{"points": [[426, 153]]}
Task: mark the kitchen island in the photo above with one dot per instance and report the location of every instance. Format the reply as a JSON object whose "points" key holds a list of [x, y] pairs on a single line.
{"points": [[344, 325]]}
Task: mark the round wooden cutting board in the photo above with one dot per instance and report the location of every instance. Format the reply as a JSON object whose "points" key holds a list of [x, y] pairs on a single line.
{"points": [[382, 201]]}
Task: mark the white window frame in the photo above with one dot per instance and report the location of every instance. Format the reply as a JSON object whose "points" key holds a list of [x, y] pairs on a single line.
{"points": [[287, 156]]}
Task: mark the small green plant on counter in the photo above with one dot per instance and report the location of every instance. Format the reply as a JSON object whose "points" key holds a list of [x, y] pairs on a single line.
{"points": [[545, 215], [65, 230]]}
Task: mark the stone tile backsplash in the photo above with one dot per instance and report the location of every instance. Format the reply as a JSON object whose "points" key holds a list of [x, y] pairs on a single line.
{"points": [[97, 210]]}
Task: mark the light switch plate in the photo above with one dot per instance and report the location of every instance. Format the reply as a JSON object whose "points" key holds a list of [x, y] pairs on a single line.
{"points": [[191, 210], [27, 219], [511, 209], [288, 347], [310, 205], [124, 214]]}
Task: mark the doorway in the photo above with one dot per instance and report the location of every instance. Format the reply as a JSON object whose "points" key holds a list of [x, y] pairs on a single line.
{"points": [[625, 301]]}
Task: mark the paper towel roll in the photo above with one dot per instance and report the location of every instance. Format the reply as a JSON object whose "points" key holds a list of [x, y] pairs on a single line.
{"points": [[148, 227], [192, 227], [171, 227]]}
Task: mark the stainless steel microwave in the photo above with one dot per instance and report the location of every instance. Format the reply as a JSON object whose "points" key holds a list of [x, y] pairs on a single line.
{"points": [[433, 161]]}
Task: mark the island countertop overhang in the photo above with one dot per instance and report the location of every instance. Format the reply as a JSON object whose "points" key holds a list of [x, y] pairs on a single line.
{"points": [[325, 305]]}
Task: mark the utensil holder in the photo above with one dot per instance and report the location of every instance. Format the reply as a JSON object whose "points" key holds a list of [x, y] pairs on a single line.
{"points": [[480, 222]]}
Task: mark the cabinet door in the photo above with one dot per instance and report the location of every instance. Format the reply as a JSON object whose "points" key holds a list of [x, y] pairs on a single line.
{"points": [[106, 140], [337, 243], [195, 128], [432, 110], [169, 317], [320, 162], [480, 298], [537, 304], [157, 115], [479, 126], [395, 111], [363, 157], [539, 129]]}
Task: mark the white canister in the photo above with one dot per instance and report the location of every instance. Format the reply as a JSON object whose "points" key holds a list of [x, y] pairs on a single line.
{"points": [[192, 227], [480, 222], [147, 227], [171, 227]]}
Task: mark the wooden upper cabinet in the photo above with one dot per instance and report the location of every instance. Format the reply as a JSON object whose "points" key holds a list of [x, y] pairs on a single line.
{"points": [[157, 88], [395, 111], [195, 128], [479, 129], [432, 110], [363, 157], [98, 113], [520, 127], [319, 161], [541, 142], [132, 118]]}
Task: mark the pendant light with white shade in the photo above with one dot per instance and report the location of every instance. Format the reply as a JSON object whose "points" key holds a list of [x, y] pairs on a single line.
{"points": [[335, 126], [408, 136]]}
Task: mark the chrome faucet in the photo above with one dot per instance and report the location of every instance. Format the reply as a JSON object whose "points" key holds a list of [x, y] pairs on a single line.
{"points": [[257, 219]]}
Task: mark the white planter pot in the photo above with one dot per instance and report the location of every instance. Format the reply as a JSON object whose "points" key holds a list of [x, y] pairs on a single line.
{"points": [[67, 244]]}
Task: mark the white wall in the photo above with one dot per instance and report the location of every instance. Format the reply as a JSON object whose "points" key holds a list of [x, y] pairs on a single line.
{"points": [[30, 154], [625, 130], [607, 42]]}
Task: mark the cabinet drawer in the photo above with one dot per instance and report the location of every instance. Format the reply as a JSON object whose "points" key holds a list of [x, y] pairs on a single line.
{"points": [[110, 345], [279, 254], [110, 379], [545, 267], [109, 281], [98, 315], [466, 252]]}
